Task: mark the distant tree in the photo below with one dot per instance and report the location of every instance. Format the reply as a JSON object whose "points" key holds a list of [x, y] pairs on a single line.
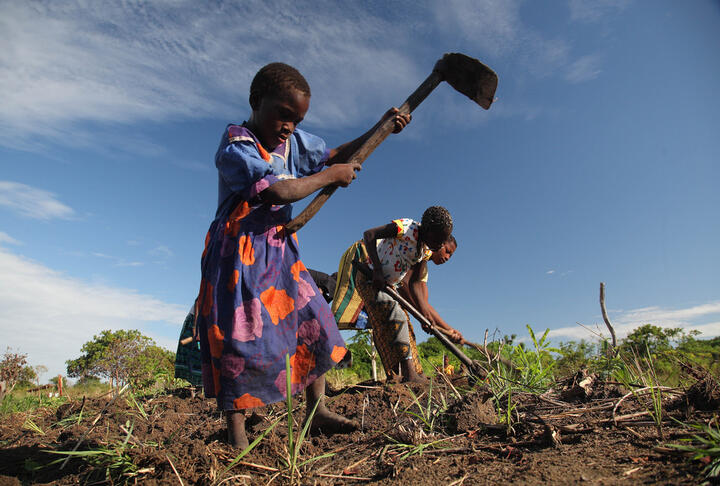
{"points": [[653, 339], [12, 367], [575, 355], [88, 380], [39, 371], [121, 357], [27, 377]]}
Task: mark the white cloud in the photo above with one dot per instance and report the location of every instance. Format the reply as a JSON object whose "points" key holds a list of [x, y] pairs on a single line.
{"points": [[550, 272], [49, 315], [32, 203], [7, 239], [624, 322]]}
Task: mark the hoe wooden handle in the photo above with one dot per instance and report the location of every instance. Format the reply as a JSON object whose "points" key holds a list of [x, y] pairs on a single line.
{"points": [[364, 151]]}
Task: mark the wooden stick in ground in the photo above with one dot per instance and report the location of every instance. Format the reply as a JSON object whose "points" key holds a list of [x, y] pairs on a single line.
{"points": [[613, 350]]}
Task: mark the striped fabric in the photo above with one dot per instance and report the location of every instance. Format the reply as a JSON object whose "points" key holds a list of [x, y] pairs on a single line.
{"points": [[347, 304]]}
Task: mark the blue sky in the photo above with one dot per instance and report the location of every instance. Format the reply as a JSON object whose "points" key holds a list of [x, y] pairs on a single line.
{"points": [[597, 162]]}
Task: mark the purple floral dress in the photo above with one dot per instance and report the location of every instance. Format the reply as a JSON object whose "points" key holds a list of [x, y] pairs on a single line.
{"points": [[257, 301]]}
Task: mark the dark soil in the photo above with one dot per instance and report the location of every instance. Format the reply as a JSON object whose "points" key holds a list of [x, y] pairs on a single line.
{"points": [[177, 436]]}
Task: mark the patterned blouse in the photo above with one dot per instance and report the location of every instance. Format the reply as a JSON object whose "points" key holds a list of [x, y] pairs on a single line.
{"points": [[399, 254]]}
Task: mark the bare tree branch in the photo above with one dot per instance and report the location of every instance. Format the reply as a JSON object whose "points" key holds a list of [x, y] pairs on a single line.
{"points": [[613, 350]]}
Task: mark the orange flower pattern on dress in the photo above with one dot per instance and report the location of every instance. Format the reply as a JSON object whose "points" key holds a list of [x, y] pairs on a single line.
{"points": [[278, 303], [338, 353], [206, 298], [234, 278], [245, 250], [205, 248], [301, 363], [247, 401], [263, 153], [215, 337], [297, 267], [233, 224]]}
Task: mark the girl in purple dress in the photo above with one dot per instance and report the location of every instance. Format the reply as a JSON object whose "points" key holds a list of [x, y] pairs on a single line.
{"points": [[257, 302]]}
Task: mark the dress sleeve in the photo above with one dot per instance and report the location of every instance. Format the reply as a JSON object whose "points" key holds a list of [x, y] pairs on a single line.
{"points": [[312, 153], [243, 169]]}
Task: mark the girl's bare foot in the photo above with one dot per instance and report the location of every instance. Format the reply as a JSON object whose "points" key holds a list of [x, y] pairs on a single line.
{"points": [[236, 429], [324, 421]]}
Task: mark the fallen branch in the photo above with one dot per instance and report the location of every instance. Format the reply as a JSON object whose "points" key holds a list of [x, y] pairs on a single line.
{"points": [[643, 390], [341, 476]]}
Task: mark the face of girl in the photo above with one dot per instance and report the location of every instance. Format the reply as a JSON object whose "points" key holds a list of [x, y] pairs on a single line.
{"points": [[434, 241], [277, 116], [443, 254]]}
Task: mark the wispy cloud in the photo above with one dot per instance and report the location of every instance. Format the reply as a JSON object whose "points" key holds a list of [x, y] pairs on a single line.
{"points": [[699, 317], [593, 10], [49, 315], [162, 252], [70, 69], [65, 64], [7, 239], [31, 202], [583, 69], [117, 261]]}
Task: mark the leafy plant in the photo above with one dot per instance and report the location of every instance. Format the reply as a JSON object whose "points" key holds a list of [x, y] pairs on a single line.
{"points": [[502, 387], [535, 366], [429, 412], [704, 446], [30, 425], [133, 403], [639, 376]]}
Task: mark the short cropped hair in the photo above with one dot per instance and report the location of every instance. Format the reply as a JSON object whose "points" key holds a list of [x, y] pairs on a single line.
{"points": [[274, 78], [437, 219]]}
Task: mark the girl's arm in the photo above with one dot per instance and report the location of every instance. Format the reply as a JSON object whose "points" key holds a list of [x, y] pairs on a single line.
{"points": [[342, 153], [291, 190], [370, 238], [424, 295], [415, 288]]}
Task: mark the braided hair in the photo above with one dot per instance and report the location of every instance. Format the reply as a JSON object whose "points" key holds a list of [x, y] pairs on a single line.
{"points": [[275, 78]]}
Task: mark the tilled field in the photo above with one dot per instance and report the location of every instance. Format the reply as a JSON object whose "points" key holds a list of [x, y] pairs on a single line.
{"points": [[446, 434]]}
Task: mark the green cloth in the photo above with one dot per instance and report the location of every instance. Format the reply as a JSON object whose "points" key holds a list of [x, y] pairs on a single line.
{"points": [[188, 361]]}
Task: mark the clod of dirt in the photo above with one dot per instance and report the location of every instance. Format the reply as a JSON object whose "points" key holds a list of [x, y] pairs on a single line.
{"points": [[704, 394], [9, 481], [473, 411], [579, 387]]}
